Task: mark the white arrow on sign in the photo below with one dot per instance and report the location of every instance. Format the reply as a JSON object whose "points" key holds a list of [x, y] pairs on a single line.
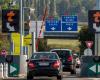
{"points": [[69, 28], [93, 68], [96, 28], [11, 28], [12, 69], [53, 28]]}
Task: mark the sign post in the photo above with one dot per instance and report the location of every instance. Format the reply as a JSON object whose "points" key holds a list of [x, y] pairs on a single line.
{"points": [[94, 26]]}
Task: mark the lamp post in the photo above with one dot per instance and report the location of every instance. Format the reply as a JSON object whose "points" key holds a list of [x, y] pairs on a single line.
{"points": [[31, 11], [97, 34]]}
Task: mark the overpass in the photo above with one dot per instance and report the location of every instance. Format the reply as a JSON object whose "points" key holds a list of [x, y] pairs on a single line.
{"points": [[61, 35]]}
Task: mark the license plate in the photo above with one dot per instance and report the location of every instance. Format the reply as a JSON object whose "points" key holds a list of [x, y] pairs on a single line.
{"points": [[43, 64]]}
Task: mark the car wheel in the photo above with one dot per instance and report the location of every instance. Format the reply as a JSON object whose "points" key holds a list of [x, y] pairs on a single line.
{"points": [[73, 72], [29, 77], [59, 77]]}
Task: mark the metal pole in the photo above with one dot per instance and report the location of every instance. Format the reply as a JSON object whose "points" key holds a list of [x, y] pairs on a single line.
{"points": [[32, 42], [97, 33], [21, 37], [21, 29]]}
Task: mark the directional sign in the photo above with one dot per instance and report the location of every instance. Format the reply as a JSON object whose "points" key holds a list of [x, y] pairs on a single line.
{"points": [[69, 23], [69, 18], [10, 21], [53, 25], [93, 68], [89, 43], [13, 69], [69, 26]]}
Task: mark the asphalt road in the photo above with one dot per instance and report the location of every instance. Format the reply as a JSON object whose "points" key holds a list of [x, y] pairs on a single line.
{"points": [[66, 76]]}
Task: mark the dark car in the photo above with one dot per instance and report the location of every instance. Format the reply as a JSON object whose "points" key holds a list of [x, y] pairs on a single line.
{"points": [[44, 64], [66, 59]]}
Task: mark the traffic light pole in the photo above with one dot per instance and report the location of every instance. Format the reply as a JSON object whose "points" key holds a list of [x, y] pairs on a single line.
{"points": [[23, 68], [97, 39], [97, 34], [21, 29]]}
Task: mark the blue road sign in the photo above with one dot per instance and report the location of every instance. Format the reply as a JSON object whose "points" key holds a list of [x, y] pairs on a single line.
{"points": [[69, 27], [53, 25], [69, 18], [69, 23]]}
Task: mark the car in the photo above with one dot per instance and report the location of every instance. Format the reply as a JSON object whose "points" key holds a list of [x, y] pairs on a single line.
{"points": [[44, 64], [66, 59]]}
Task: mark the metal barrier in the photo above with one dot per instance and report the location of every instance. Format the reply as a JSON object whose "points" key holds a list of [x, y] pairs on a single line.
{"points": [[5, 70], [10, 66], [1, 71], [90, 66]]}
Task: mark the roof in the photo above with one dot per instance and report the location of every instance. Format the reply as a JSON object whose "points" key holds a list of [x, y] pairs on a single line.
{"points": [[61, 49]]}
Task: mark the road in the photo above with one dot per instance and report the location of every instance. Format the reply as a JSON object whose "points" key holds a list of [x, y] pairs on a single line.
{"points": [[66, 76]]}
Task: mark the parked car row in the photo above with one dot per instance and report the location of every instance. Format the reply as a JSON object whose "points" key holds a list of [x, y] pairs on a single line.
{"points": [[50, 64]]}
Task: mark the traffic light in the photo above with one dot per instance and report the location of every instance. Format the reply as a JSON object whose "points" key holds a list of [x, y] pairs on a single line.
{"points": [[94, 21], [10, 21]]}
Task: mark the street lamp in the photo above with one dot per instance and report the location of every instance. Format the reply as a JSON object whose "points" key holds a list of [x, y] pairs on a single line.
{"points": [[31, 11], [23, 68]]}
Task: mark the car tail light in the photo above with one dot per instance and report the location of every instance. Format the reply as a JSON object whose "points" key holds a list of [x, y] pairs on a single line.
{"points": [[31, 65], [70, 58], [56, 64]]}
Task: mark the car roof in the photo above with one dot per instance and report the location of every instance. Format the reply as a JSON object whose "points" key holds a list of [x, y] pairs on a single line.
{"points": [[46, 53], [43, 52], [61, 49]]}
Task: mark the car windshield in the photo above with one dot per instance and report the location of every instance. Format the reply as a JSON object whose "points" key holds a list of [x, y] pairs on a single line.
{"points": [[48, 56], [62, 53]]}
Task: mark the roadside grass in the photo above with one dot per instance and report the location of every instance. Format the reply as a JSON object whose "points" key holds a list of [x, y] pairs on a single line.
{"points": [[63, 43]]}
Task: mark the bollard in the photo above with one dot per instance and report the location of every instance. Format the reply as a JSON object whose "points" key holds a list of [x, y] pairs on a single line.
{"points": [[1, 71], [23, 68], [5, 71]]}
